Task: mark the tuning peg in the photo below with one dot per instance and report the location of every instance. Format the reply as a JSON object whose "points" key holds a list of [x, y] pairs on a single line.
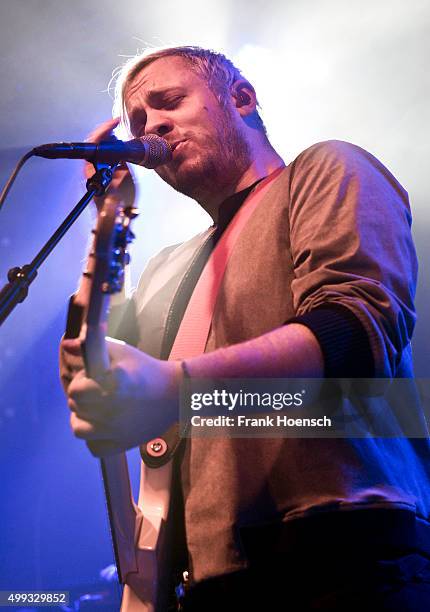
{"points": [[132, 212]]}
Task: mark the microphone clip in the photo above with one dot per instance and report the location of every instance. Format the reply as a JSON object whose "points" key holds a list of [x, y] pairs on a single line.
{"points": [[101, 178]]}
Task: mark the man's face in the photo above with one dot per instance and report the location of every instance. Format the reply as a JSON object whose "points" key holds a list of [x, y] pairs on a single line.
{"points": [[210, 150]]}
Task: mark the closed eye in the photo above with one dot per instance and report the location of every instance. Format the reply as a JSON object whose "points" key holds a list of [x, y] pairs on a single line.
{"points": [[173, 103], [158, 101]]}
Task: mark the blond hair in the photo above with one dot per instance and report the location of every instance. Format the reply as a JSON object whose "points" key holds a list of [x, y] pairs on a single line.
{"points": [[215, 68]]}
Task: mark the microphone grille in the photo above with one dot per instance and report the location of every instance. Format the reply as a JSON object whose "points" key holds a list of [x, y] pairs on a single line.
{"points": [[159, 152]]}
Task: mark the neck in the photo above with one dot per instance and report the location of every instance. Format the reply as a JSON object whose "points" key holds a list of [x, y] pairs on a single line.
{"points": [[263, 164]]}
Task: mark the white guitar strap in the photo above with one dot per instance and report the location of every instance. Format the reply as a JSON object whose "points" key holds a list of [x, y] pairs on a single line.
{"points": [[194, 329]]}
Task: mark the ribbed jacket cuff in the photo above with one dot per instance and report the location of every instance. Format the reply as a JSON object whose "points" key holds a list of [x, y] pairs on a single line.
{"points": [[343, 339]]}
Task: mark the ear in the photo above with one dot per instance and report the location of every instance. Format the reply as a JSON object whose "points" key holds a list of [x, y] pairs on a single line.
{"points": [[244, 97]]}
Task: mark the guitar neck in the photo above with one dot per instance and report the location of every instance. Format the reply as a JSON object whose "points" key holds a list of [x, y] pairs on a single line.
{"points": [[122, 511]]}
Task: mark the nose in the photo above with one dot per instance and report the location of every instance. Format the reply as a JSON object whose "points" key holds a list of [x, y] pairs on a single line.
{"points": [[158, 123]]}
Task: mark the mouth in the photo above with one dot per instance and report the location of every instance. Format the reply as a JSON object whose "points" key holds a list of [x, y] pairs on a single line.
{"points": [[175, 145]]}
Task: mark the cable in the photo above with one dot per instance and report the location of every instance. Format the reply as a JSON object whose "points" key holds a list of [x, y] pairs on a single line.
{"points": [[13, 176]]}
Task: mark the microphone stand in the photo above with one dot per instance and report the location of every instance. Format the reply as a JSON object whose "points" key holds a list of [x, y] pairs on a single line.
{"points": [[20, 278]]}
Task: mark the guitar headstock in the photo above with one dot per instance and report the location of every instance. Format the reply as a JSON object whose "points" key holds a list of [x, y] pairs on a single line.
{"points": [[119, 256], [104, 276]]}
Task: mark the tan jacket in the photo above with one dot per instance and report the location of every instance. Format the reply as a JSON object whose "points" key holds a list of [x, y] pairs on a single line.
{"points": [[334, 228]]}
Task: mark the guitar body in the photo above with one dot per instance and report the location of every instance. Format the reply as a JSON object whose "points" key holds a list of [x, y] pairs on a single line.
{"points": [[138, 529], [147, 589]]}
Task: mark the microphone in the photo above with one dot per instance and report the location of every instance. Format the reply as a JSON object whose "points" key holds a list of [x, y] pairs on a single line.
{"points": [[149, 151]]}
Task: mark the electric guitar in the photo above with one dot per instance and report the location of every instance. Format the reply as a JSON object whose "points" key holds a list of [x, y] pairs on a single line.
{"points": [[138, 529]]}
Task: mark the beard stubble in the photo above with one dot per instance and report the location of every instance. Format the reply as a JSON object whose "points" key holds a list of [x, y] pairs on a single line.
{"points": [[224, 160]]}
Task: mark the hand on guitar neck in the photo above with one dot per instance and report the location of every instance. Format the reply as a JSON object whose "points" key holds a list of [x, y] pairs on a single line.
{"points": [[137, 399]]}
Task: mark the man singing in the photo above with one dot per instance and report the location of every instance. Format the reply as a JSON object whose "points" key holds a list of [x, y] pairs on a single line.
{"points": [[319, 284]]}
